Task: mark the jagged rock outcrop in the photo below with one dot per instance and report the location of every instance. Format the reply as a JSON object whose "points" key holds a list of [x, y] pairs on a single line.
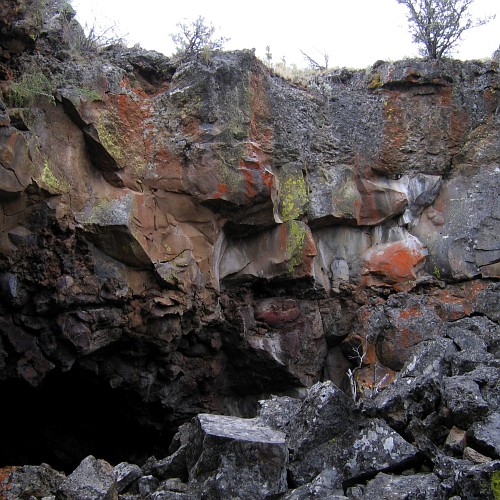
{"points": [[185, 238]]}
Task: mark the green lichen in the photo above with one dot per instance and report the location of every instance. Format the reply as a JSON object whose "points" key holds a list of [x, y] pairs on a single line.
{"points": [[51, 181], [293, 195], [115, 212], [230, 176], [101, 207], [437, 272], [296, 236], [107, 137], [376, 81], [495, 484], [89, 93]]}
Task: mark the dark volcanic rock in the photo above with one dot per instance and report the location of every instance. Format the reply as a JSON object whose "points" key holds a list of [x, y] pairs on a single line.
{"points": [[326, 412], [386, 487], [327, 484], [485, 435], [463, 399], [93, 478], [126, 474], [230, 457], [29, 482]]}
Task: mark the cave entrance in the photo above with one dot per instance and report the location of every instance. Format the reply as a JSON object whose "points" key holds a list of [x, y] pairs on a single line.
{"points": [[74, 414]]}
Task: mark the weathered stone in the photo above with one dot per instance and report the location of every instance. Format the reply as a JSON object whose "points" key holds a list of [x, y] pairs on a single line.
{"points": [[174, 489], [365, 448], [197, 234], [487, 378], [173, 466], [377, 448], [327, 485], [389, 333], [455, 442], [487, 302], [484, 435], [339, 250], [478, 482], [146, 485], [238, 458], [467, 207], [474, 456], [29, 481], [388, 487], [280, 253], [126, 474], [416, 393], [93, 478], [395, 263], [463, 399], [325, 413], [277, 412]]}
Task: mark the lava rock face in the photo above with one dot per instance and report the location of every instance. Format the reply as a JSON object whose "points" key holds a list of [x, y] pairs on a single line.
{"points": [[184, 238]]}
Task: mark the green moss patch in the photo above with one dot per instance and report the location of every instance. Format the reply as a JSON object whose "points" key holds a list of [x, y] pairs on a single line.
{"points": [[293, 194]]}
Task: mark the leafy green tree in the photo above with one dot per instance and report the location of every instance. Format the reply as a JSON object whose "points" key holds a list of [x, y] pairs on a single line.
{"points": [[196, 38], [439, 24]]}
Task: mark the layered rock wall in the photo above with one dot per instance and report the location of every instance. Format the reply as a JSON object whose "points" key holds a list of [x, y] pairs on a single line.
{"points": [[201, 234]]}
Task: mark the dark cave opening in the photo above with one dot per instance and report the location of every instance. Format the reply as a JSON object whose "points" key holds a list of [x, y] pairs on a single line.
{"points": [[74, 414]]}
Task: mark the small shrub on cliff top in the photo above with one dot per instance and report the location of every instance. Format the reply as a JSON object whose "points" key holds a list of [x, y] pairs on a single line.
{"points": [[196, 39]]}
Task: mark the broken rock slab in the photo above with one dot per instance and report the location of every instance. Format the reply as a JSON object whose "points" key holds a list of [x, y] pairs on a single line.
{"points": [[232, 457], [485, 435], [93, 478], [325, 413], [388, 487], [29, 481], [327, 484], [365, 448], [375, 448]]}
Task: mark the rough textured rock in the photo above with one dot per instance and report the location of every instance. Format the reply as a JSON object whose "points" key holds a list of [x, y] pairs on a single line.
{"points": [[325, 413], [484, 435], [93, 478], [327, 484], [385, 487], [229, 457], [377, 448], [126, 474], [29, 481]]}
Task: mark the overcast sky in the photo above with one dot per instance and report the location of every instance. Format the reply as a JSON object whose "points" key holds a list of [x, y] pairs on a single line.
{"points": [[355, 33]]}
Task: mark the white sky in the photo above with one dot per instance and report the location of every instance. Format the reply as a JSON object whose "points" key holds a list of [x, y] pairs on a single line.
{"points": [[355, 33]]}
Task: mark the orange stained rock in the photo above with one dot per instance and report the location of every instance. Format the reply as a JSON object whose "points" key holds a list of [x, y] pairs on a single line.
{"points": [[411, 312], [260, 125], [456, 301], [251, 183], [394, 262], [5, 475], [374, 377], [221, 189]]}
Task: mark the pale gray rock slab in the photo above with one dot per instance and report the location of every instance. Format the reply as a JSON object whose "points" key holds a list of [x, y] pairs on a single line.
{"points": [[93, 478], [231, 457]]}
